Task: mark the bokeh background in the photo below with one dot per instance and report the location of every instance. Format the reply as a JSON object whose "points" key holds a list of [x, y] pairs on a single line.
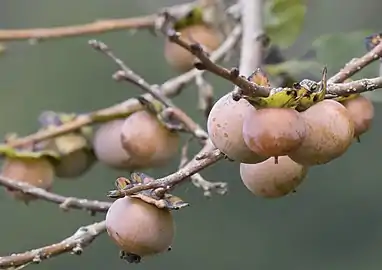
{"points": [[334, 221]]}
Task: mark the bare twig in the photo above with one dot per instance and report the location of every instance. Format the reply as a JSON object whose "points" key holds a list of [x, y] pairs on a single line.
{"points": [[96, 27], [356, 65], [224, 48], [253, 89], [359, 86], [198, 180], [232, 75], [64, 202], [75, 244], [192, 167], [205, 95], [170, 88], [129, 75]]}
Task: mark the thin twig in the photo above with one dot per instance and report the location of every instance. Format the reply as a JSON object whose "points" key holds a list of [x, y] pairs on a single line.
{"points": [[210, 156], [359, 86], [253, 89], [198, 180], [355, 65], [64, 202], [169, 88], [75, 244], [96, 27], [129, 75]]}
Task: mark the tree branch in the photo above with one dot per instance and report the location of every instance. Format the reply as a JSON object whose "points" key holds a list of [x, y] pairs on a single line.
{"points": [[83, 237], [249, 88], [96, 27], [126, 73], [355, 65], [64, 202], [169, 88], [251, 48]]}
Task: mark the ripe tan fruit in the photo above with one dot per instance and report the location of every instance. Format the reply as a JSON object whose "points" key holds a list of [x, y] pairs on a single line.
{"points": [[273, 132], [139, 228], [38, 172], [330, 132], [107, 145], [182, 60], [147, 141], [361, 110], [270, 180], [225, 125]]}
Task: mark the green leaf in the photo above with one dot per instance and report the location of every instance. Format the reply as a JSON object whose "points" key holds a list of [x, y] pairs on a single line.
{"points": [[294, 68], [335, 50], [284, 20]]}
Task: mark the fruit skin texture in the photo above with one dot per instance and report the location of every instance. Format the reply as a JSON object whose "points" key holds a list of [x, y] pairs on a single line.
{"points": [[330, 132], [273, 132], [74, 164], [107, 145], [37, 172], [361, 110], [270, 180], [182, 60], [139, 228], [225, 125], [148, 143]]}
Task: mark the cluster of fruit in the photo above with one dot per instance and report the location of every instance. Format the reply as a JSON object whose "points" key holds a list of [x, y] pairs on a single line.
{"points": [[137, 142], [277, 139]]}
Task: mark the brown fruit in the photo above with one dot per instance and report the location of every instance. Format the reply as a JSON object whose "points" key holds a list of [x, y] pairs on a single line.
{"points": [[361, 110], [329, 133], [147, 142], [270, 180], [273, 132], [225, 125], [38, 172], [139, 228], [107, 145], [182, 60]]}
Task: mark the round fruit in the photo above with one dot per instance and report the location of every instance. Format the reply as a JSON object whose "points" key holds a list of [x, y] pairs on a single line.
{"points": [[139, 228], [74, 164], [38, 172], [107, 145], [225, 125], [273, 132], [182, 60], [329, 133], [361, 110], [270, 180], [147, 142]]}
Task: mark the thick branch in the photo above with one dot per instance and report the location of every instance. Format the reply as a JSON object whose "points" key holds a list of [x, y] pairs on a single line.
{"points": [[64, 202], [83, 237], [251, 45]]}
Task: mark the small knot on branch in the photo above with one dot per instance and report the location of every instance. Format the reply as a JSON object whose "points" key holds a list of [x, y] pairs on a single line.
{"points": [[98, 45]]}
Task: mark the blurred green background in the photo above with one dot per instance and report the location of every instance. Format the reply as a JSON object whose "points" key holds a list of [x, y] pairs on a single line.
{"points": [[334, 221]]}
